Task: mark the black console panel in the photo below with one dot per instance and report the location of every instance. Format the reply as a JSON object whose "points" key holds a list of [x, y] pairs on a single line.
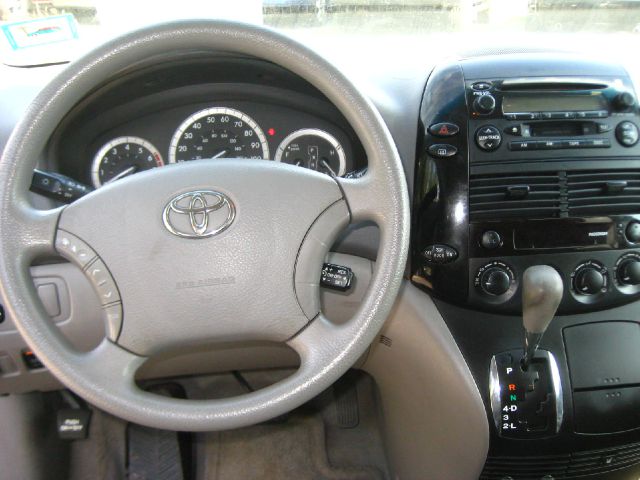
{"points": [[523, 163]]}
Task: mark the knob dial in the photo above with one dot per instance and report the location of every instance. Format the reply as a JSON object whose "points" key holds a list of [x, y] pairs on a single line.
{"points": [[484, 104], [495, 281], [629, 272], [624, 100], [633, 232], [627, 133], [588, 280]]}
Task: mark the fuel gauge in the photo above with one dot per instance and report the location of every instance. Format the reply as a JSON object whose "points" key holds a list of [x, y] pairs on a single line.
{"points": [[314, 149]]}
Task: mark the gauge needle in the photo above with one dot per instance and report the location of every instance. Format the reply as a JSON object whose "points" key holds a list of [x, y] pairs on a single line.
{"points": [[328, 167], [122, 174], [219, 154]]}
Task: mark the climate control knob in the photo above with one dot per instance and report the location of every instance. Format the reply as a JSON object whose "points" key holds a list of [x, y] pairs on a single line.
{"points": [[484, 104], [589, 279], [629, 271], [495, 281]]}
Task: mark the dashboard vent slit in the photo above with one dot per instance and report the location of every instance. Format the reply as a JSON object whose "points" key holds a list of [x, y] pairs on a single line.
{"points": [[514, 195], [602, 192]]}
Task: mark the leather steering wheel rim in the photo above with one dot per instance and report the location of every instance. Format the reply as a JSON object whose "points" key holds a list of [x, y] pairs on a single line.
{"points": [[105, 376]]}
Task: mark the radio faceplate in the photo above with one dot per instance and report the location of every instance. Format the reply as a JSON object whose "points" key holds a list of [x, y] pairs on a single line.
{"points": [[573, 117]]}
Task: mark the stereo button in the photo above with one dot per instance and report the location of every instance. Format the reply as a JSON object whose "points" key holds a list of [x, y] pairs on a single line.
{"points": [[550, 144], [596, 143], [627, 133], [604, 127], [597, 114], [521, 146], [488, 138], [482, 86]]}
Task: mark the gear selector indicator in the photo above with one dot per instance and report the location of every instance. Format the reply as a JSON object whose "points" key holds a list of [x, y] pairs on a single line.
{"points": [[526, 403]]}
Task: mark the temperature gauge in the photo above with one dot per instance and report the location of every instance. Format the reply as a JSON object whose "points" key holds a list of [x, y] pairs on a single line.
{"points": [[314, 149]]}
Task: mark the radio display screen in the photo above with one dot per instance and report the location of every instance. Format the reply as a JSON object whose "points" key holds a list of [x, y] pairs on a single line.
{"points": [[550, 234], [552, 103]]}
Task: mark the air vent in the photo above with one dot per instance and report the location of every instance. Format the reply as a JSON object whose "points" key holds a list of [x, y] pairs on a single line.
{"points": [[515, 195], [574, 465], [601, 192], [497, 468]]}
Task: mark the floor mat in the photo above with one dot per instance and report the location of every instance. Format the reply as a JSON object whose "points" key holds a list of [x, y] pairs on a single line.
{"points": [[311, 443]]}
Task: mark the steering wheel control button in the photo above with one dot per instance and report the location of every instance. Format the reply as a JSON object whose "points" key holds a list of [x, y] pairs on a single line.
{"points": [[113, 320], [74, 249], [488, 138], [491, 240], [440, 254], [336, 277], [590, 278], [442, 150], [627, 133], [444, 129], [102, 282]]}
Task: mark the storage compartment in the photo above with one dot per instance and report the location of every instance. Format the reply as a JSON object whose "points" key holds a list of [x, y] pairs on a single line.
{"points": [[602, 355], [607, 411]]}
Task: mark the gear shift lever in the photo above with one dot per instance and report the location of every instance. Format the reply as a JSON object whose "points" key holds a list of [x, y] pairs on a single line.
{"points": [[542, 289]]}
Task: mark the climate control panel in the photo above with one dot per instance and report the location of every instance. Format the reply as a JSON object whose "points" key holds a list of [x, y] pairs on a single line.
{"points": [[594, 281]]}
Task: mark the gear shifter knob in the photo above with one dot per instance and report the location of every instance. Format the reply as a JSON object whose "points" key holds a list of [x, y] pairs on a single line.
{"points": [[542, 290]]}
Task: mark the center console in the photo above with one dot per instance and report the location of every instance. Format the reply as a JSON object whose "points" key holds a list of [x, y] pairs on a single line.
{"points": [[529, 161]]}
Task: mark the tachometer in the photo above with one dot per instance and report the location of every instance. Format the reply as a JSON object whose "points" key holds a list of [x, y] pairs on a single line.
{"points": [[123, 156], [218, 132], [315, 149]]}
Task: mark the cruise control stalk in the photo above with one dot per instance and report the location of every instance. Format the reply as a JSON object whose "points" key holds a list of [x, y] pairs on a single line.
{"points": [[57, 186]]}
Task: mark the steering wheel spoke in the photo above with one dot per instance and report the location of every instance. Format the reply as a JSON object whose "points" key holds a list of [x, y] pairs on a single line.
{"points": [[34, 231], [363, 196]]}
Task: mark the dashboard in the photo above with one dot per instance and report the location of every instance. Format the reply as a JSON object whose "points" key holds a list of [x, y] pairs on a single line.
{"points": [[217, 118], [513, 161]]}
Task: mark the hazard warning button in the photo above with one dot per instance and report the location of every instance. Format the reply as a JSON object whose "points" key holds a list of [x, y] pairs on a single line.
{"points": [[444, 129]]}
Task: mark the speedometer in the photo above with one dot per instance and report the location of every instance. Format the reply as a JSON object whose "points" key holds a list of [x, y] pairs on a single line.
{"points": [[218, 132]]}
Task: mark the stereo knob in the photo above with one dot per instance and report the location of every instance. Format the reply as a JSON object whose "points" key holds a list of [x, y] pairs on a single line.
{"points": [[588, 280], [484, 104], [633, 232], [629, 272], [627, 133], [624, 100], [495, 281]]}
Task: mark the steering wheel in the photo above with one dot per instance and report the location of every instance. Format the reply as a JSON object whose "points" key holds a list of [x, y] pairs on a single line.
{"points": [[204, 251]]}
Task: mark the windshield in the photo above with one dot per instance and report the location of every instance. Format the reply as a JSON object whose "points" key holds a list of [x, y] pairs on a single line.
{"points": [[50, 31]]}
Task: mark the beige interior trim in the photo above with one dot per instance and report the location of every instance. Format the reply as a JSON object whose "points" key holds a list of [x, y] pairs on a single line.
{"points": [[435, 422]]}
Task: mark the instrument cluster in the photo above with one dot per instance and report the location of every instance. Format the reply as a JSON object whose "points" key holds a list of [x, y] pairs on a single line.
{"points": [[217, 131]]}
